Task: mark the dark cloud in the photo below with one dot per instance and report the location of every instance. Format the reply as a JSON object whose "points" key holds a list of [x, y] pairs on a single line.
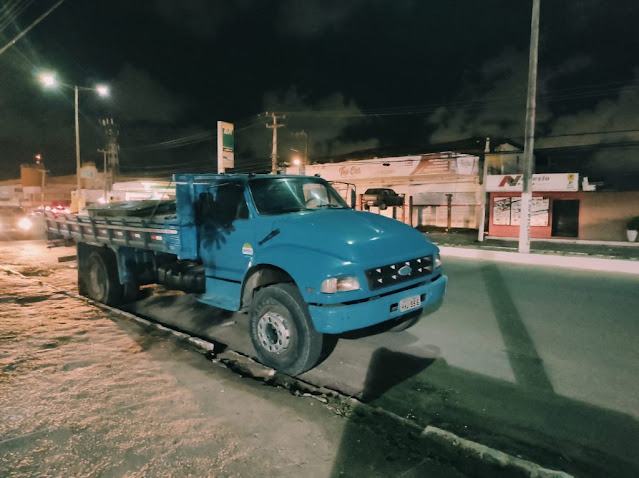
{"points": [[137, 96], [202, 18], [314, 16], [611, 121], [327, 121], [493, 101]]}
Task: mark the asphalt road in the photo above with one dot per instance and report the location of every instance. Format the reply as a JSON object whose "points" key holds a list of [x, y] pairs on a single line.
{"points": [[538, 362], [534, 361]]}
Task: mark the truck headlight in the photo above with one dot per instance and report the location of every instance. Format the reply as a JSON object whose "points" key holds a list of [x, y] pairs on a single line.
{"points": [[339, 284], [438, 261], [25, 224]]}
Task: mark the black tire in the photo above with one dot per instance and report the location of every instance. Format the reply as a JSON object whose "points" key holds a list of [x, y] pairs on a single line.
{"points": [[282, 331], [382, 206], [101, 281], [131, 292]]}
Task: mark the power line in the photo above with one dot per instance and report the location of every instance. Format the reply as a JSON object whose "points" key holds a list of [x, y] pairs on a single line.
{"points": [[194, 138], [26, 30], [174, 143], [591, 91], [12, 11]]}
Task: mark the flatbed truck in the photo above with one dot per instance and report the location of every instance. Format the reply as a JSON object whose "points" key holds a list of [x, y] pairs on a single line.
{"points": [[285, 249]]}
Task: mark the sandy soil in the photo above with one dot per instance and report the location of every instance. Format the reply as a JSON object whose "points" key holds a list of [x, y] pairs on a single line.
{"points": [[85, 392]]}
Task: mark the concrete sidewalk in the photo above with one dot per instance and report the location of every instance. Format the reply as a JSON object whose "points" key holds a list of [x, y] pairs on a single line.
{"points": [[600, 256]]}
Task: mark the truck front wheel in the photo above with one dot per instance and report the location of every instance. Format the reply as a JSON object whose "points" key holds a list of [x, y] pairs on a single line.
{"points": [[281, 330], [101, 280]]}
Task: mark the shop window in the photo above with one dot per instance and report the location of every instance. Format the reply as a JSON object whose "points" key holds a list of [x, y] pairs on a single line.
{"points": [[507, 211]]}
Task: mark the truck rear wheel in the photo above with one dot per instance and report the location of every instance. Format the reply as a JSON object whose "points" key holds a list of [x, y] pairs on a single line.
{"points": [[101, 280], [282, 331]]}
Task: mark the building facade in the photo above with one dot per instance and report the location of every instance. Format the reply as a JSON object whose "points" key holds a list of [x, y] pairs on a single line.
{"points": [[441, 189]]}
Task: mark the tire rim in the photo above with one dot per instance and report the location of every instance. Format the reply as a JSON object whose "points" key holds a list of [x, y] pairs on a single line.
{"points": [[273, 332]]}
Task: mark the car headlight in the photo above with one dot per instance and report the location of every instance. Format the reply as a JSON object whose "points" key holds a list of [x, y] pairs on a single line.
{"points": [[339, 284], [438, 261], [25, 224]]}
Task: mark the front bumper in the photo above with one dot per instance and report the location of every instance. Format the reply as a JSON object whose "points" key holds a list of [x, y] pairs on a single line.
{"points": [[338, 318]]}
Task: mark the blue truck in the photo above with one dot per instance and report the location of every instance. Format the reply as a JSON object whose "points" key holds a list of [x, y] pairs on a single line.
{"points": [[287, 250]]}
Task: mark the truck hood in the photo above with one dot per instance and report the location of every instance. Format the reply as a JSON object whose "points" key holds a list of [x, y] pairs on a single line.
{"points": [[352, 236]]}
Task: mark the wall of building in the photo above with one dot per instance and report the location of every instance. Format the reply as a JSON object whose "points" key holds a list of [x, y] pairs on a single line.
{"points": [[426, 178], [430, 203], [603, 215]]}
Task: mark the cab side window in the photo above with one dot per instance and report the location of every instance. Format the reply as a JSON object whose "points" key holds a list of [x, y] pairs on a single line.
{"points": [[223, 204]]}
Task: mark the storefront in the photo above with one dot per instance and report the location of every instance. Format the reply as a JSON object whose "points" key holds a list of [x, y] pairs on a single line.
{"points": [[554, 209]]}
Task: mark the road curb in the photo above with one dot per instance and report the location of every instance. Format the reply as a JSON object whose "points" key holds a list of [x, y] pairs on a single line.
{"points": [[547, 260], [486, 461]]}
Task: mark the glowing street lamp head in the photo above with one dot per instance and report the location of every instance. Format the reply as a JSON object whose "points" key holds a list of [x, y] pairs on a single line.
{"points": [[102, 90], [48, 79]]}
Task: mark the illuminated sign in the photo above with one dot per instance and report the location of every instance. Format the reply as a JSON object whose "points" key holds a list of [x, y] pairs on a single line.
{"points": [[540, 182]]}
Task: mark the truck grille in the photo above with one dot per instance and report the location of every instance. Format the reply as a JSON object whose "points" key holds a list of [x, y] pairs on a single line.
{"points": [[398, 272]]}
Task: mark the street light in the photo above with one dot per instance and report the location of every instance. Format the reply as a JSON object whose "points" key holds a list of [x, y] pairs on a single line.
{"points": [[50, 80], [304, 161], [298, 161]]}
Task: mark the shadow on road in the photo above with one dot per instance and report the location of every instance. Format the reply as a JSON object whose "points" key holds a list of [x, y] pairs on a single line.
{"points": [[524, 360], [525, 418], [388, 369]]}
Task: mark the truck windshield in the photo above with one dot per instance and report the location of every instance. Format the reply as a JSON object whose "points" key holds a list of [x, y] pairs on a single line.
{"points": [[281, 195]]}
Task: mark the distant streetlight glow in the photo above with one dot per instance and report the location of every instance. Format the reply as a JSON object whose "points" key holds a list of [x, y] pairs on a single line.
{"points": [[49, 80], [102, 90]]}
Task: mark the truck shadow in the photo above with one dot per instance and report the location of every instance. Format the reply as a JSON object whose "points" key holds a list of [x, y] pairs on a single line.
{"points": [[554, 431], [525, 418], [183, 313]]}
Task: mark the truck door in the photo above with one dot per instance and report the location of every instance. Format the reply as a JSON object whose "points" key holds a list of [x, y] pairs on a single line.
{"points": [[226, 236]]}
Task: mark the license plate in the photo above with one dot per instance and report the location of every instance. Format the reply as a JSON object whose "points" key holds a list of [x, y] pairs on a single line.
{"points": [[409, 303]]}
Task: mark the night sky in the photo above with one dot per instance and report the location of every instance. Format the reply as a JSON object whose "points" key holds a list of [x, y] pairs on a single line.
{"points": [[354, 74]]}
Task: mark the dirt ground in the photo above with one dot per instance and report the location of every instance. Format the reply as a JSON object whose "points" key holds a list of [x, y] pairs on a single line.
{"points": [[86, 392]]}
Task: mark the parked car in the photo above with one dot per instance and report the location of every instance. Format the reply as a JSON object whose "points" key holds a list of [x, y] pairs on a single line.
{"points": [[15, 223], [382, 198]]}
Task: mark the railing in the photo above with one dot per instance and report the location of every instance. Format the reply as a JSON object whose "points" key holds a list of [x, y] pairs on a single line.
{"points": [[437, 215], [132, 232]]}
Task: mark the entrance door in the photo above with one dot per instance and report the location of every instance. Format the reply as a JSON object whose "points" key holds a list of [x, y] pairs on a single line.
{"points": [[565, 217]]}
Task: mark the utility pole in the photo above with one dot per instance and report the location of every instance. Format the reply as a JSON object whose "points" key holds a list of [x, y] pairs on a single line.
{"points": [[105, 180], [482, 218], [274, 127], [111, 159], [529, 139]]}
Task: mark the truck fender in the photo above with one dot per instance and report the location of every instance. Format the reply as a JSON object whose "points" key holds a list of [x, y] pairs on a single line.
{"points": [[259, 276]]}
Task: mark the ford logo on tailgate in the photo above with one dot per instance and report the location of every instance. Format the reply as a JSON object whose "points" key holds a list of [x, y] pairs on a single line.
{"points": [[405, 271]]}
